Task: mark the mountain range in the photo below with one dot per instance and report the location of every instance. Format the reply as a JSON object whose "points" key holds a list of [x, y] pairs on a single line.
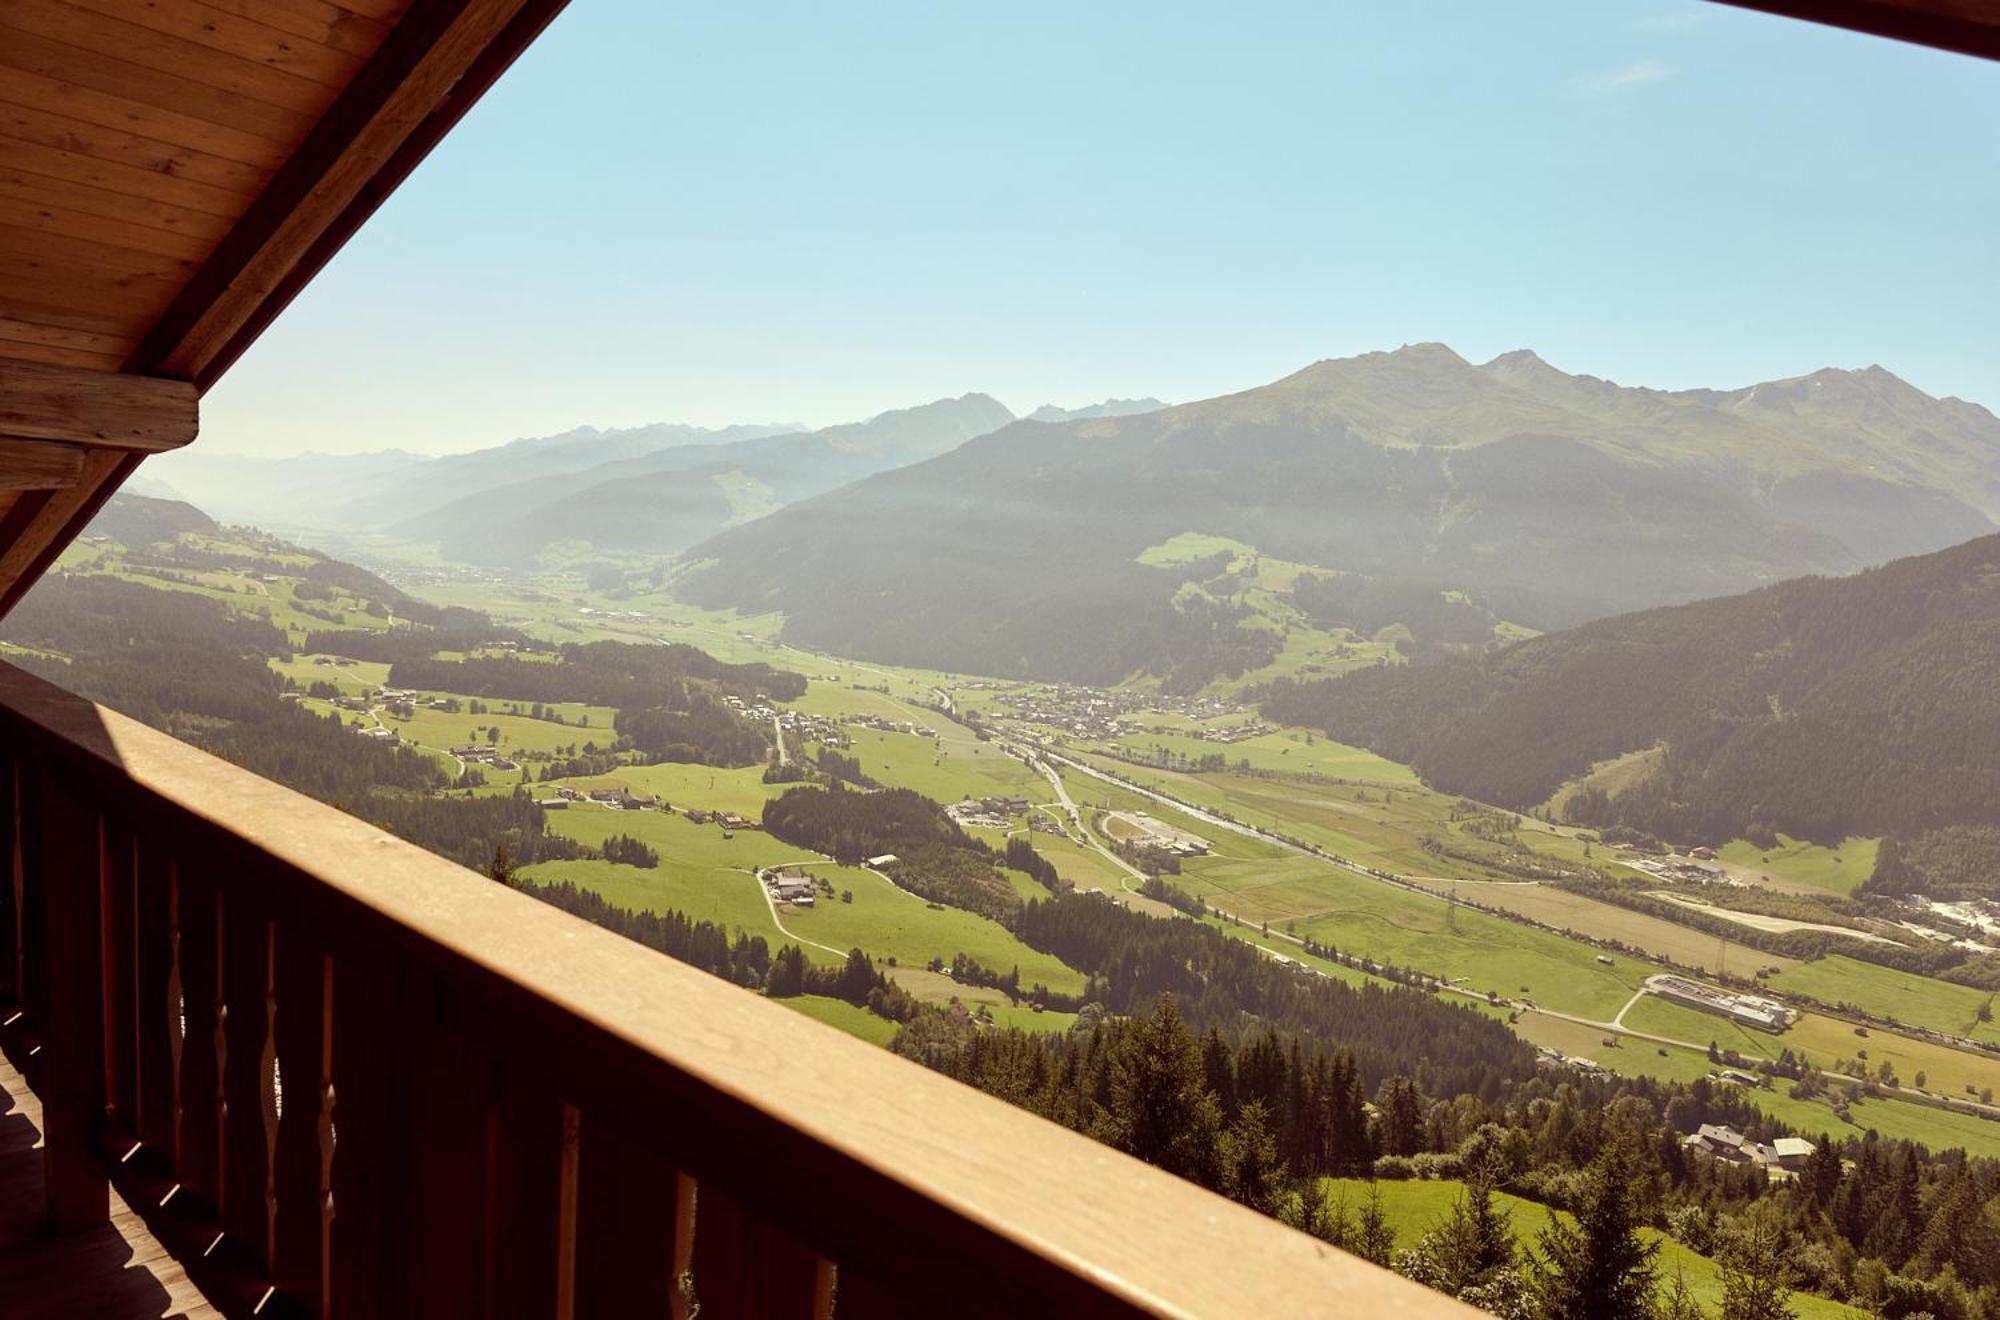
{"points": [[648, 490], [1550, 498]]}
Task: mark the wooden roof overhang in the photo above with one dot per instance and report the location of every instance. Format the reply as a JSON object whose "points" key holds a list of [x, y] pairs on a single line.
{"points": [[172, 173]]}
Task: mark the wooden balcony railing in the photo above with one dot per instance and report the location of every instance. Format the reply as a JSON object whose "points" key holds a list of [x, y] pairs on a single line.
{"points": [[341, 1076]]}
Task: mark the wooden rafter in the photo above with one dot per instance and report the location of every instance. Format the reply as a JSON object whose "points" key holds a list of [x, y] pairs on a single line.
{"points": [[1970, 27], [436, 60]]}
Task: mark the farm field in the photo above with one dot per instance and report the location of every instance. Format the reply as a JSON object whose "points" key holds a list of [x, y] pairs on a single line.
{"points": [[850, 1018], [946, 770], [1763, 921], [1886, 992], [1599, 920], [1795, 863], [354, 679], [1413, 1207], [682, 784], [1290, 751]]}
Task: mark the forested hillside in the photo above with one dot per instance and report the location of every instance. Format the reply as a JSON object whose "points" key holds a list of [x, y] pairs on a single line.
{"points": [[1821, 708], [1548, 498]]}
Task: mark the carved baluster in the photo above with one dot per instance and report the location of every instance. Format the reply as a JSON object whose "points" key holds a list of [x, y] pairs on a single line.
{"points": [[62, 861], [745, 1265], [303, 1031], [198, 1119], [155, 1001], [248, 1101]]}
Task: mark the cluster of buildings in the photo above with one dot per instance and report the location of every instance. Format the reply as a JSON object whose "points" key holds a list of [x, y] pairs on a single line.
{"points": [[1750, 1010], [992, 813], [1690, 867], [791, 885], [1086, 712], [1781, 1159], [887, 725], [623, 616], [485, 754], [1156, 833], [728, 820]]}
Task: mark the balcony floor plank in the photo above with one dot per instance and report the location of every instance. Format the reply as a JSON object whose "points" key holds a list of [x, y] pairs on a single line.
{"points": [[117, 1271]]}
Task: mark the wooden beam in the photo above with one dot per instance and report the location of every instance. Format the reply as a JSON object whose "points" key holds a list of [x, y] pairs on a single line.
{"points": [[113, 409], [38, 464], [1969, 27], [390, 104]]}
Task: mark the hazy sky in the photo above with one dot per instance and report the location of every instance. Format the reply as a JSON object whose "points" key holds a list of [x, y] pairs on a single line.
{"points": [[721, 212]]}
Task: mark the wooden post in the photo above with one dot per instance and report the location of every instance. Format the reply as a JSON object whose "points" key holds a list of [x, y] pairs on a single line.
{"points": [[198, 1120], [303, 1033], [745, 1265], [155, 1001], [532, 1150], [625, 1225], [63, 862], [115, 902]]}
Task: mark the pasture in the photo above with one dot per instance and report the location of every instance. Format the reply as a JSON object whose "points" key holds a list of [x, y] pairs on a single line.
{"points": [[1799, 865], [1599, 920], [1886, 992], [1412, 1208]]}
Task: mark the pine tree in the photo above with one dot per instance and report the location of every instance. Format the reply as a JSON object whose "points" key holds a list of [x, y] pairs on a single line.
{"points": [[1251, 1171], [1756, 1276], [1472, 1245], [1679, 1303], [1161, 1109], [1599, 1269], [502, 867], [1373, 1238]]}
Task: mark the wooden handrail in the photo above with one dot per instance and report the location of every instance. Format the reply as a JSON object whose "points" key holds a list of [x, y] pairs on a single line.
{"points": [[481, 1105]]}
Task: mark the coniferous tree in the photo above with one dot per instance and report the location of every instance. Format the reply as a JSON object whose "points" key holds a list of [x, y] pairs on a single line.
{"points": [[1756, 1275], [1161, 1109], [1373, 1239], [1600, 1268]]}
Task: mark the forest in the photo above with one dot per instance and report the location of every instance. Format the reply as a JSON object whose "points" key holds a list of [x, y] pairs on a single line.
{"points": [[1820, 708]]}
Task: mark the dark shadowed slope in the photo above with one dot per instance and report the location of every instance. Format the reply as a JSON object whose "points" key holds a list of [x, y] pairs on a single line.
{"points": [[1820, 707]]}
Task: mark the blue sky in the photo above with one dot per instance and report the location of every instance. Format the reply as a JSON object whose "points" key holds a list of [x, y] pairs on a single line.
{"points": [[751, 212]]}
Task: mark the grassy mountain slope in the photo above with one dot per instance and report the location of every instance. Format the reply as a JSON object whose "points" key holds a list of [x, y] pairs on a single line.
{"points": [[1820, 708], [1551, 500]]}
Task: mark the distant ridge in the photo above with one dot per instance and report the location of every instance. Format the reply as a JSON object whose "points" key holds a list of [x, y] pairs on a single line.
{"points": [[1048, 412], [1552, 498]]}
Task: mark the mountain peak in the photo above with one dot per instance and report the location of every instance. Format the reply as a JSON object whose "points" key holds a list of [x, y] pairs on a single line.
{"points": [[1519, 358]]}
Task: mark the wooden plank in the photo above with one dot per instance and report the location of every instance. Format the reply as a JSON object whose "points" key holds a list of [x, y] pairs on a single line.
{"points": [[49, 128], [190, 62], [38, 464], [10, 911], [26, 281], [413, 75], [303, 1033], [58, 336], [745, 1265], [369, 1091], [198, 1113], [155, 1000], [96, 407], [342, 28], [100, 71], [242, 36], [64, 844], [626, 1228], [91, 105], [20, 214], [68, 196], [525, 1232], [111, 176], [115, 896]]}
